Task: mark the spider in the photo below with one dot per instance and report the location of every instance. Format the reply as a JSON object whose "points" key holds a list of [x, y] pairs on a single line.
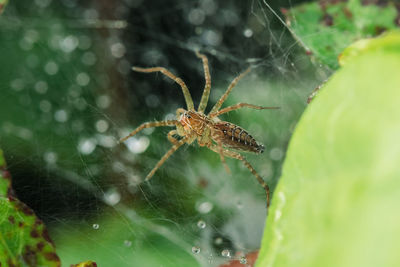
{"points": [[222, 137]]}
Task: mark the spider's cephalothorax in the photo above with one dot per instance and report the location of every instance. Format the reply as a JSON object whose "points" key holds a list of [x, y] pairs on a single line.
{"points": [[194, 122], [222, 137]]}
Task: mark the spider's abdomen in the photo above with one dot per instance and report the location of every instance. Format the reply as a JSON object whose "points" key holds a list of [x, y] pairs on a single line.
{"points": [[233, 136]]}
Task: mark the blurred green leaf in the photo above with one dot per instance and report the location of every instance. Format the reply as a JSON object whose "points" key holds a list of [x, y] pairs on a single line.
{"points": [[327, 27], [117, 242], [337, 201], [24, 240]]}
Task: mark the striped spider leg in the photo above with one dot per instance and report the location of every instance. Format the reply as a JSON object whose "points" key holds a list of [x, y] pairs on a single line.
{"points": [[208, 130]]}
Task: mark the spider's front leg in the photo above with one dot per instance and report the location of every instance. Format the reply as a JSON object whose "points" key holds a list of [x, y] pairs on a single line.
{"points": [[171, 137], [174, 148], [238, 106], [149, 125]]}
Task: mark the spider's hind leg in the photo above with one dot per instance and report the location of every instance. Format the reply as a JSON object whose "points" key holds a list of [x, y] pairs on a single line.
{"points": [[236, 155], [221, 154]]}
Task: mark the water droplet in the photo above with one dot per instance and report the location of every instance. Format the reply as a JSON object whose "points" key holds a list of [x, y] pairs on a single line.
{"points": [[196, 16], [17, 84], [118, 50], [45, 106], [50, 157], [87, 146], [103, 101], [61, 115], [226, 253], [201, 224], [89, 58], [276, 153], [138, 145], [211, 37], [205, 207], [128, 243], [218, 241], [106, 140], [101, 126], [95, 226], [82, 79], [239, 204], [112, 197], [51, 68], [41, 87], [243, 260], [196, 250], [248, 33], [69, 43]]}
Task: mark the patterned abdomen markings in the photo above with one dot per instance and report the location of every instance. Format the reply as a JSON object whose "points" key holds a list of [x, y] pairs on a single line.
{"points": [[233, 136]]}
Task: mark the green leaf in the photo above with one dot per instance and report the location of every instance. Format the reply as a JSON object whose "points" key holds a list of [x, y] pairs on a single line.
{"points": [[24, 240], [337, 201], [327, 27]]}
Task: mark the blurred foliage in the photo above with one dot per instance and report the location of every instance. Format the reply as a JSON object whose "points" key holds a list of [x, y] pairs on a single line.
{"points": [[24, 240], [325, 28], [339, 190]]}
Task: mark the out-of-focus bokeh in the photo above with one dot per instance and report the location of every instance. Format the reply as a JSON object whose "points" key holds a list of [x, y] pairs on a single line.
{"points": [[68, 94]]}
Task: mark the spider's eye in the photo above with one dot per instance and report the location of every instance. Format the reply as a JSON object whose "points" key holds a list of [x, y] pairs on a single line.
{"points": [[188, 116]]}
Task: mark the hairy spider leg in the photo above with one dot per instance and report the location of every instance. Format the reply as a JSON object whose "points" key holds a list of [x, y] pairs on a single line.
{"points": [[185, 90], [238, 156], [174, 148], [206, 92], [221, 154], [171, 137], [149, 125], [238, 106], [218, 105]]}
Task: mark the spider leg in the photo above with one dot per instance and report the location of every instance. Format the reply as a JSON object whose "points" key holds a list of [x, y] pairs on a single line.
{"points": [[206, 92], [236, 155], [149, 125], [238, 106], [221, 154], [218, 105], [185, 90], [174, 148], [171, 137]]}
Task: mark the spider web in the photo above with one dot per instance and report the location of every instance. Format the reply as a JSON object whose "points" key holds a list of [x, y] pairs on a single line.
{"points": [[69, 94]]}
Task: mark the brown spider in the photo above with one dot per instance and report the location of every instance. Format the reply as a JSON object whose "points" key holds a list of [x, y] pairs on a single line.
{"points": [[208, 130]]}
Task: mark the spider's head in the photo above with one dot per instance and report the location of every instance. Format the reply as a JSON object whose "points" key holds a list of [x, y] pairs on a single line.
{"points": [[191, 121]]}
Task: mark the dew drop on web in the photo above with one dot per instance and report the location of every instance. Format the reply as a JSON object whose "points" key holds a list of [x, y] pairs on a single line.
{"points": [[226, 253], [201, 224], [195, 250]]}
